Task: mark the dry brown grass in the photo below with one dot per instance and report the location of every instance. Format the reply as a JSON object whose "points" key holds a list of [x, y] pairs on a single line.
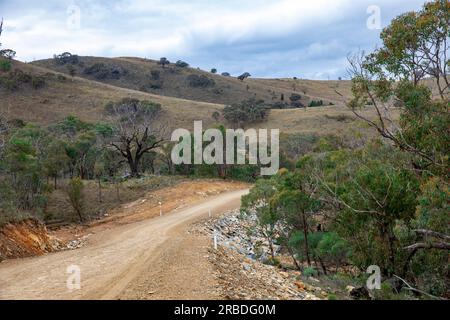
{"points": [[86, 99]]}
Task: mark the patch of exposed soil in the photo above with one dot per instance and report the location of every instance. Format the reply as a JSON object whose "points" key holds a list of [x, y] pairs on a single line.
{"points": [[24, 239]]}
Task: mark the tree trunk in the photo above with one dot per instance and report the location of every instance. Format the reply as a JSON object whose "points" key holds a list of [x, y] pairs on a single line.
{"points": [[99, 190], [305, 233]]}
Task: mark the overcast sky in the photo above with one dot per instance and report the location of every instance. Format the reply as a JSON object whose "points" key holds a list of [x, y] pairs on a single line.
{"points": [[268, 38]]}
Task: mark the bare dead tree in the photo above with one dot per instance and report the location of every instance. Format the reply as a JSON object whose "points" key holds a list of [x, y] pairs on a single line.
{"points": [[139, 130]]}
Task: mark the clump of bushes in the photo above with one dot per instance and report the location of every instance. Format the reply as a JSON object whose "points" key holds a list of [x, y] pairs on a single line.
{"points": [[315, 103], [75, 192], [101, 71], [14, 79], [155, 74], [248, 111], [5, 65], [279, 105], [181, 64], [130, 105], [202, 81]]}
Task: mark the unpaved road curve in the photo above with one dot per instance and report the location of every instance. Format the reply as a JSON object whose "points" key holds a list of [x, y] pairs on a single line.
{"points": [[110, 262]]}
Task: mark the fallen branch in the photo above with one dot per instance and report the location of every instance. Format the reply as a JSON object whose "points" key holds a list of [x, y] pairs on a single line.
{"points": [[430, 245], [411, 288], [433, 234]]}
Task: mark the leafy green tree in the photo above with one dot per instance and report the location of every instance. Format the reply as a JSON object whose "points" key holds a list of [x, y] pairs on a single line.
{"points": [[21, 163], [75, 192], [56, 160], [163, 62], [259, 200], [181, 64], [246, 112]]}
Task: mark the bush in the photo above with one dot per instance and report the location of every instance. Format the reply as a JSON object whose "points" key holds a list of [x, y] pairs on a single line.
{"points": [[315, 103], [37, 82], [310, 272], [181, 64], [226, 74], [196, 81], [279, 105], [155, 74], [297, 104], [101, 71], [248, 111], [295, 97], [14, 79], [75, 190], [5, 65]]}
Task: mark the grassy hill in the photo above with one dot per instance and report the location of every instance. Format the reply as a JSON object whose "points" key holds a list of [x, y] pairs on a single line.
{"points": [[192, 84], [85, 98]]}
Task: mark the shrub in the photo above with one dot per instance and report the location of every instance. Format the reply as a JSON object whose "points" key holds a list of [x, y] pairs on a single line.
{"points": [[101, 71], [226, 74], [279, 105], [37, 82], [196, 81], [75, 190], [155, 74], [181, 64], [163, 62], [295, 97], [248, 111], [315, 103], [310, 272], [297, 104], [5, 65]]}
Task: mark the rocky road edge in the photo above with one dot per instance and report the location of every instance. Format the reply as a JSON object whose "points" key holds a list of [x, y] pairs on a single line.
{"points": [[240, 277]]}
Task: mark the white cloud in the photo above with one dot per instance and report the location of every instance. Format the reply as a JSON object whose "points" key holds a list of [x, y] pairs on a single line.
{"points": [[211, 33]]}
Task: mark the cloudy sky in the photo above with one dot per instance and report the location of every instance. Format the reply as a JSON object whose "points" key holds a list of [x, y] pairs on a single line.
{"points": [[268, 38]]}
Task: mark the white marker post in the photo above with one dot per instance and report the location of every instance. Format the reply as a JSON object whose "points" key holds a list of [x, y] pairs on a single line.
{"points": [[160, 209], [215, 240]]}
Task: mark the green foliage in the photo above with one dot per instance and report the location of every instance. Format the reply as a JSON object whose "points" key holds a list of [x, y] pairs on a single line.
{"points": [[181, 64], [315, 103], [75, 189], [16, 79], [129, 109], [333, 249], [199, 81], [66, 58], [5, 65], [246, 112], [310, 272]]}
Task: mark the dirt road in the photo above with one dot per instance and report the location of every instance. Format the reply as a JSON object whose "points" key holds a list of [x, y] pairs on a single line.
{"points": [[122, 262]]}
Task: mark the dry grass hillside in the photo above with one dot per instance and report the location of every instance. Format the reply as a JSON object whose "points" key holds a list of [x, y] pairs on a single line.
{"points": [[85, 98], [148, 76]]}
